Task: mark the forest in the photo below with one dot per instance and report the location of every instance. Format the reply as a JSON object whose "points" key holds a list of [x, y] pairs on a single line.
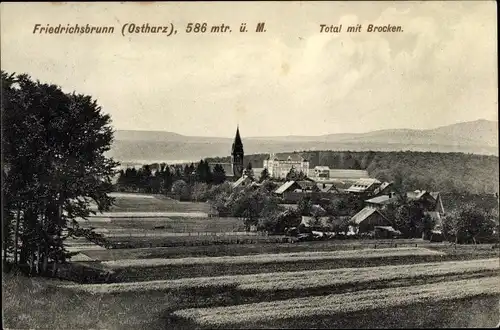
{"points": [[456, 173]]}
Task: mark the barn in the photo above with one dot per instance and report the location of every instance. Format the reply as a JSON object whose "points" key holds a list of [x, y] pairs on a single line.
{"points": [[366, 220]]}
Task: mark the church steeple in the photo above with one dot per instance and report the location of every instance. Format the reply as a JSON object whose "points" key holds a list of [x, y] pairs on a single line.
{"points": [[237, 144], [237, 154]]}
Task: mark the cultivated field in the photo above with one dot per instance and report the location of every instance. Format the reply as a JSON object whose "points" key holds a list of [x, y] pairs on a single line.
{"points": [[260, 282], [462, 252], [125, 202], [178, 224], [285, 312], [281, 281]]}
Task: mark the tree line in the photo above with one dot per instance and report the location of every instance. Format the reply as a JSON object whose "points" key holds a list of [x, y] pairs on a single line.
{"points": [[160, 178], [53, 167], [445, 172]]}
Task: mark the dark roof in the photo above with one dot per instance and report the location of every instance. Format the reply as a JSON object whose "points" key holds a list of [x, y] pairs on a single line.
{"points": [[307, 185], [364, 214], [291, 157], [383, 186], [326, 187]]}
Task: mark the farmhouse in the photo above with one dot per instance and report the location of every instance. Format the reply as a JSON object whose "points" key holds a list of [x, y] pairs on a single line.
{"points": [[386, 232], [364, 187], [327, 187], [380, 201], [366, 220], [429, 201], [293, 191], [316, 223], [242, 182], [385, 188], [279, 168]]}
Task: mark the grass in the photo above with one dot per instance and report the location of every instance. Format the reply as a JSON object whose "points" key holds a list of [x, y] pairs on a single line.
{"points": [[31, 303], [134, 242], [274, 258], [128, 232], [172, 224], [303, 280], [266, 313], [479, 251], [123, 203], [157, 269]]}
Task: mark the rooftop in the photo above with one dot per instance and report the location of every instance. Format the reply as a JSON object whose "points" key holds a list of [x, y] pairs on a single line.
{"points": [[284, 187], [363, 214], [362, 185]]}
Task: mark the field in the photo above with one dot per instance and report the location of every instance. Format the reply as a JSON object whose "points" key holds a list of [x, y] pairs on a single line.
{"points": [[285, 312], [154, 203], [175, 224], [292, 281], [260, 282]]}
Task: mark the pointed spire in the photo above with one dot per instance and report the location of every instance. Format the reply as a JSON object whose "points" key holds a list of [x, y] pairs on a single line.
{"points": [[237, 138], [237, 144]]}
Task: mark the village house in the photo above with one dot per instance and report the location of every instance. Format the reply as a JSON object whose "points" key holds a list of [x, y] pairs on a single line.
{"points": [[242, 182], [366, 220], [318, 222], [365, 187], [429, 201], [293, 191], [279, 168]]}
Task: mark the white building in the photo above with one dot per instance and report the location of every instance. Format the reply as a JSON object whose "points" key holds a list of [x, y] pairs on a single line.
{"points": [[279, 168], [322, 172]]}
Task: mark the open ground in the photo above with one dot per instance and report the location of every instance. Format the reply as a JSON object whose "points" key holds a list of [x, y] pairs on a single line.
{"points": [[227, 282]]}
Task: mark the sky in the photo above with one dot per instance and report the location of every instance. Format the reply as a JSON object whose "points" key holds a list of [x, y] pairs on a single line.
{"points": [[290, 80]]}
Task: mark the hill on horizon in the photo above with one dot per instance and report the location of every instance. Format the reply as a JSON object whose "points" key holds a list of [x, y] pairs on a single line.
{"points": [[478, 137]]}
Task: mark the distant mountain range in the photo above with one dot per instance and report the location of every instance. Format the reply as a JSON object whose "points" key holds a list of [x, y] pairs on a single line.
{"points": [[479, 137]]}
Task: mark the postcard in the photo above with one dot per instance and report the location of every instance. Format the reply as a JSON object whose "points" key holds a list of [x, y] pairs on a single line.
{"points": [[287, 164]]}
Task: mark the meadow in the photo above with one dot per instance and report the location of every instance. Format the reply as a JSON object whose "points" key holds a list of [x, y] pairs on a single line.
{"points": [[177, 224], [478, 251], [285, 312], [125, 202], [301, 280], [261, 282]]}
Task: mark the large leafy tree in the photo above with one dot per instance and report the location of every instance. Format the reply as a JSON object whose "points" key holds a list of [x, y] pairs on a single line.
{"points": [[468, 223], [408, 219], [53, 146]]}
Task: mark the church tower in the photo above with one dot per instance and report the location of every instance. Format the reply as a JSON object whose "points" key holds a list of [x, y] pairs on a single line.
{"points": [[237, 155]]}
